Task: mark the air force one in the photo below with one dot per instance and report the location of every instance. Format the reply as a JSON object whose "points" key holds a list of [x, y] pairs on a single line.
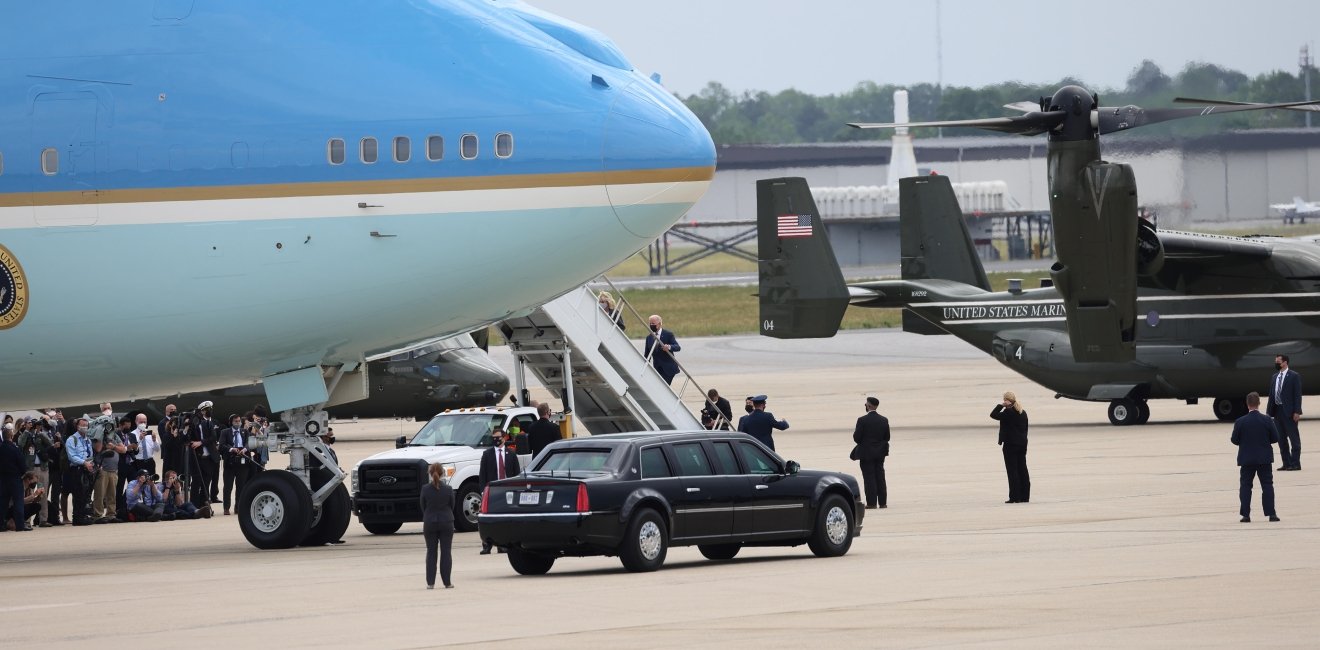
{"points": [[198, 194]]}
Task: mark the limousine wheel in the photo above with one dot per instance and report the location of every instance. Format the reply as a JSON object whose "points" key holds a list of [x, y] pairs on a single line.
{"points": [[529, 564], [719, 551], [646, 542], [834, 524]]}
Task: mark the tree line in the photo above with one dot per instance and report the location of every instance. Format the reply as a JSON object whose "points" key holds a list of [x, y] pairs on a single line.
{"points": [[791, 116]]}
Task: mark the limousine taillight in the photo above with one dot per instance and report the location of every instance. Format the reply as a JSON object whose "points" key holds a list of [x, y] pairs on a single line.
{"points": [[485, 500], [583, 503]]}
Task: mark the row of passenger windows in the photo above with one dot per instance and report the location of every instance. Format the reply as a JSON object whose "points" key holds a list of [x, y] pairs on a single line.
{"points": [[469, 147], [692, 460], [368, 150]]}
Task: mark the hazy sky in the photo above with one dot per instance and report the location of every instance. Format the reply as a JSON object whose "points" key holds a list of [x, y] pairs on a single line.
{"points": [[828, 46]]}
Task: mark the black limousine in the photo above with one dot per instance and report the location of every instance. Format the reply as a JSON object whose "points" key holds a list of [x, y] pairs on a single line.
{"points": [[636, 494]]}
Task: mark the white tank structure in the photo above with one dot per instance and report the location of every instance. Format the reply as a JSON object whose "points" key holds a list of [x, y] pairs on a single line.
{"points": [[859, 201]]}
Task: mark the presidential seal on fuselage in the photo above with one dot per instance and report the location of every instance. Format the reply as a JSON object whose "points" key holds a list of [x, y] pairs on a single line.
{"points": [[13, 290]]}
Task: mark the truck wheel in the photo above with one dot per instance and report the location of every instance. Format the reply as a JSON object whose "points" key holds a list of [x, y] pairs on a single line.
{"points": [[467, 505], [719, 551], [832, 536], [646, 543], [528, 563], [383, 527], [275, 510], [331, 522]]}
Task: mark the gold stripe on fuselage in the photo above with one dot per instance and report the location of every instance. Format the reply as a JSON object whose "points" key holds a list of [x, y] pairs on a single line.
{"points": [[335, 188]]}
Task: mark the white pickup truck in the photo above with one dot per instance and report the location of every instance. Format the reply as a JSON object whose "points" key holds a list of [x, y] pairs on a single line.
{"points": [[387, 486]]}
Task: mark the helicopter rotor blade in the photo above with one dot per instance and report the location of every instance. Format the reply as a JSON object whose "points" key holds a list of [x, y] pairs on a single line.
{"points": [[1033, 123], [1111, 119], [1225, 102]]}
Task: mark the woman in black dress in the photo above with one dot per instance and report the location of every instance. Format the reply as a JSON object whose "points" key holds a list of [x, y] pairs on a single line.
{"points": [[438, 525], [1013, 438]]}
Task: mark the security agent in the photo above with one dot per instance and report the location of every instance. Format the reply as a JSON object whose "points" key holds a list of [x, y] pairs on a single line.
{"points": [[760, 424], [1253, 434]]}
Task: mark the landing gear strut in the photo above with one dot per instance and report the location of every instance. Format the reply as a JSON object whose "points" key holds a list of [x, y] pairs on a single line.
{"points": [[305, 504]]}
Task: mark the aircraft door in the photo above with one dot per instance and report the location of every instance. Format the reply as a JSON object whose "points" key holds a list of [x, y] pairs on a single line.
{"points": [[63, 130]]}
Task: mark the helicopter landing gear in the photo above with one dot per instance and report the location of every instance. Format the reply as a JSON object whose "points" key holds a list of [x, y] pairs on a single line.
{"points": [[1126, 411], [1228, 409]]}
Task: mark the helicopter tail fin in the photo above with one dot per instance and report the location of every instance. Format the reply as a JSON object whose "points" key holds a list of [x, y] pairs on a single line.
{"points": [[802, 292], [935, 243]]}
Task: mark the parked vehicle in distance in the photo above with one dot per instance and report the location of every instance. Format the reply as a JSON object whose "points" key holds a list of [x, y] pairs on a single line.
{"points": [[387, 486], [636, 494]]}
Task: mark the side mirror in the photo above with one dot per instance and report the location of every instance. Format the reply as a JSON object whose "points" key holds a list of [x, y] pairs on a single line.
{"points": [[791, 467], [401, 442]]}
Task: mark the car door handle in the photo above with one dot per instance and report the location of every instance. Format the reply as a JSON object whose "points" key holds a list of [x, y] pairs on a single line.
{"points": [[694, 489], [763, 487]]}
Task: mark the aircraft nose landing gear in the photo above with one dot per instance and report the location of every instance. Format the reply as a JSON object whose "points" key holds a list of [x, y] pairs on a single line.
{"points": [[306, 504], [1126, 411]]}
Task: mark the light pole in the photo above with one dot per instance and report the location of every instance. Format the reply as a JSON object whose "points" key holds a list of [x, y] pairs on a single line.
{"points": [[1304, 62]]}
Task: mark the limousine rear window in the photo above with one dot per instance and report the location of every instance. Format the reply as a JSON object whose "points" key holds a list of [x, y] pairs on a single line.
{"points": [[692, 459], [654, 464], [574, 460]]}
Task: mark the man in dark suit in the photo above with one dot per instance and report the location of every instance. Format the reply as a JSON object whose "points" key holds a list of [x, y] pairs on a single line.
{"points": [[1253, 434], [872, 438], [1286, 409], [496, 463], [543, 431], [718, 410], [238, 459], [760, 424], [660, 348]]}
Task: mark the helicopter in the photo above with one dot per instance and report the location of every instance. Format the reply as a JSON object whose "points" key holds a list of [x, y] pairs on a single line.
{"points": [[1129, 313]]}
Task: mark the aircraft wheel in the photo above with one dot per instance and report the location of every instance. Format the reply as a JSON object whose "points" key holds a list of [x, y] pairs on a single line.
{"points": [[331, 522], [1225, 409], [1143, 412], [1123, 412], [275, 510]]}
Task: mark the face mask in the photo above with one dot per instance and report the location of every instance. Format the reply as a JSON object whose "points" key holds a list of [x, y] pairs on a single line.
{"points": [[1278, 366], [82, 429], [106, 412], [655, 328], [142, 427]]}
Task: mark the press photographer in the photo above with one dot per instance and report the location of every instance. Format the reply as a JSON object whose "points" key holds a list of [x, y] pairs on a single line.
{"points": [[144, 497], [175, 498]]}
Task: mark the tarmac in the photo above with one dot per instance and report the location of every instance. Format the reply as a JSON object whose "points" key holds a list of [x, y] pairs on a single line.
{"points": [[1131, 539]]}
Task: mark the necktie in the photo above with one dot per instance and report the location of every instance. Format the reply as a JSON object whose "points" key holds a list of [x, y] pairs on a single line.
{"points": [[499, 462], [1278, 387]]}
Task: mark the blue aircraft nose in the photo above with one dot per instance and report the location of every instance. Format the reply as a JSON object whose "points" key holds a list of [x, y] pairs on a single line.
{"points": [[658, 157]]}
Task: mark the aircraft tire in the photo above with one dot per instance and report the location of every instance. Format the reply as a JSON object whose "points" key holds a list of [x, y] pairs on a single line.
{"points": [[1226, 409], [330, 524], [275, 510], [1123, 412], [1143, 412]]}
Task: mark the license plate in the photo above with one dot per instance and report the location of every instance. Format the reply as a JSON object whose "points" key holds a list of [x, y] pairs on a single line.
{"points": [[529, 498]]}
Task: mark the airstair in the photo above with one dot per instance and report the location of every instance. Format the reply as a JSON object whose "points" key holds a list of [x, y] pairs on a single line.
{"points": [[582, 356]]}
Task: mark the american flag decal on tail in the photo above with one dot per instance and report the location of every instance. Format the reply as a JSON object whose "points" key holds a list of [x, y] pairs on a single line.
{"points": [[794, 225]]}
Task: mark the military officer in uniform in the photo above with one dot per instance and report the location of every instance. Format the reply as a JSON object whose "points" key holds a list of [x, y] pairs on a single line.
{"points": [[760, 424]]}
